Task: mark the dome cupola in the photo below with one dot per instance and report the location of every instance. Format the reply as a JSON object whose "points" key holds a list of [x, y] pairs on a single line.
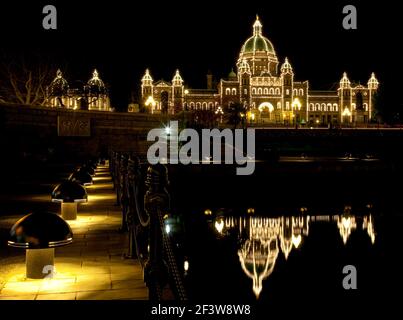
{"points": [[59, 85], [373, 82], [177, 79], [286, 67], [95, 84], [345, 82], [259, 53]]}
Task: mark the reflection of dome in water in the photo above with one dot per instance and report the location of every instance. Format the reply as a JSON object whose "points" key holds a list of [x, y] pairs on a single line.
{"points": [[258, 260]]}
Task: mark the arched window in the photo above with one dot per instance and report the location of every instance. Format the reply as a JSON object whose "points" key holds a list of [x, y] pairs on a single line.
{"points": [[210, 105], [311, 106], [365, 105], [233, 91], [271, 91], [277, 91], [198, 105], [227, 91], [295, 92], [317, 107], [265, 91], [259, 91], [335, 106], [301, 92], [204, 106], [323, 107], [253, 90]]}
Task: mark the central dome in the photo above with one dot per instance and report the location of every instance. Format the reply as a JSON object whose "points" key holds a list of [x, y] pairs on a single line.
{"points": [[258, 53], [257, 42]]}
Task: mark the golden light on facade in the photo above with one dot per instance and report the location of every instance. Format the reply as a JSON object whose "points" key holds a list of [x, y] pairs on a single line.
{"points": [[296, 104], [150, 102], [346, 112]]}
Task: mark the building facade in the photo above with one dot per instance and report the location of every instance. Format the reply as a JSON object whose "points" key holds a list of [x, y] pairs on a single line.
{"points": [[269, 94], [92, 96]]}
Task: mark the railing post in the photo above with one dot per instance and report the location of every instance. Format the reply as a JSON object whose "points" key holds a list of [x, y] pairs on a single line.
{"points": [[123, 190], [156, 200]]}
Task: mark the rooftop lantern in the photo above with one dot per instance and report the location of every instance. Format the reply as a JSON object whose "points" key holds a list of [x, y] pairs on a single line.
{"points": [[69, 193], [39, 233], [82, 176]]}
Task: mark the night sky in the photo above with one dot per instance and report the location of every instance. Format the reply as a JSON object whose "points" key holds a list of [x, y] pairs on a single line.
{"points": [[123, 38]]}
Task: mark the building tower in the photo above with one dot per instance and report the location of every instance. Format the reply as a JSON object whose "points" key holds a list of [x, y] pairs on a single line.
{"points": [[244, 74], [98, 98], [373, 85], [146, 86], [177, 92], [57, 91], [287, 80], [345, 111]]}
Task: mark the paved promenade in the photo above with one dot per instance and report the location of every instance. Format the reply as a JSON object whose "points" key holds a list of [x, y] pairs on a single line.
{"points": [[92, 267]]}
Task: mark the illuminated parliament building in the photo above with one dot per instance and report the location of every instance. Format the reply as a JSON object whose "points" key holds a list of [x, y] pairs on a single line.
{"points": [[91, 96], [270, 94]]}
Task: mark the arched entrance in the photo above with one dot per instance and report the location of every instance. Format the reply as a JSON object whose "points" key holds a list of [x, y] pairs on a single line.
{"points": [[266, 112]]}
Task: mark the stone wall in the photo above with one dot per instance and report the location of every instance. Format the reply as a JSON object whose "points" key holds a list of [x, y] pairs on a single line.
{"points": [[72, 133]]}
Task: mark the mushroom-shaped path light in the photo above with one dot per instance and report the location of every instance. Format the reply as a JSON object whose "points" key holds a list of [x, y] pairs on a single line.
{"points": [[69, 193], [82, 177], [88, 168], [39, 233]]}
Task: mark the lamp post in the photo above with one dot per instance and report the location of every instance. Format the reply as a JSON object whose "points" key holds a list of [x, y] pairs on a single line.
{"points": [[69, 193], [40, 233]]}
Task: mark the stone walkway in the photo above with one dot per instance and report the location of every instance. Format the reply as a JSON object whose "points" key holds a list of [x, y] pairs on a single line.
{"points": [[92, 268]]}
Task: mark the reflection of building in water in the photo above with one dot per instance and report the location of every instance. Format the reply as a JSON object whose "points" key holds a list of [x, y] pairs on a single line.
{"points": [[368, 224], [346, 225], [262, 239]]}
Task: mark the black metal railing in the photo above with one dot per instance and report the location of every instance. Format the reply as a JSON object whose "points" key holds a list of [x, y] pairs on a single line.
{"points": [[142, 193]]}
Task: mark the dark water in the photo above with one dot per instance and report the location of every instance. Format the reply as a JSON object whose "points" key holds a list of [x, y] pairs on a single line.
{"points": [[282, 238]]}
